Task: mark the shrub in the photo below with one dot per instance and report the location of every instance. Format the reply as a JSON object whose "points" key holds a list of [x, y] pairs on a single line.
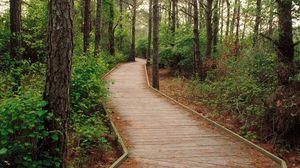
{"points": [[88, 89], [22, 127]]}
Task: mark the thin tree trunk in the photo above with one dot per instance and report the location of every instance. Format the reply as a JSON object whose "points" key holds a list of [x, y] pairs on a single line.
{"points": [[98, 27], [285, 44], [228, 18], [15, 28], [222, 18], [257, 22], [198, 65], [155, 68], [209, 32], [149, 32], [173, 18], [271, 17], [86, 25], [58, 78], [121, 23], [233, 17], [201, 20], [237, 27], [216, 26], [132, 52], [111, 36]]}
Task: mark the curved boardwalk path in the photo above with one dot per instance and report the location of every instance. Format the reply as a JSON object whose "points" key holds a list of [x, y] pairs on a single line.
{"points": [[162, 134]]}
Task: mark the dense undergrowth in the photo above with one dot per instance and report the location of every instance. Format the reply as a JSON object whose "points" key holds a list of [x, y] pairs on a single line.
{"points": [[22, 117]]}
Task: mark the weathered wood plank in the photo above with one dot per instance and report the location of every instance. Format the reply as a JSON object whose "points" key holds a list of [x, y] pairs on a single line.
{"points": [[163, 134]]}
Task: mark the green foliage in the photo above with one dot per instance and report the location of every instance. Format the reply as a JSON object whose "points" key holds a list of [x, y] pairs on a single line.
{"points": [[141, 48], [22, 127], [88, 89]]}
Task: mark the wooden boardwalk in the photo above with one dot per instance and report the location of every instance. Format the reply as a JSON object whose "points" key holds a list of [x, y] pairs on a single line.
{"points": [[160, 133]]}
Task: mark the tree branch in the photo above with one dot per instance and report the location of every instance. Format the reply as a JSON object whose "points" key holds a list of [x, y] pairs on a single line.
{"points": [[295, 44], [270, 39]]}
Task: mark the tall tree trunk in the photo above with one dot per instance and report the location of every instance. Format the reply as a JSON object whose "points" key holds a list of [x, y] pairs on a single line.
{"points": [[257, 22], [227, 19], [132, 52], [173, 17], [15, 28], [121, 23], [237, 27], [198, 65], [86, 25], [111, 33], [222, 18], [233, 17], [216, 26], [58, 79], [149, 32], [201, 20], [209, 32], [271, 18], [98, 27], [285, 44], [155, 68]]}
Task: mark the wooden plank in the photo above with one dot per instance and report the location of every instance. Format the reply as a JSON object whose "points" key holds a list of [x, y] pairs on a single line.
{"points": [[163, 134]]}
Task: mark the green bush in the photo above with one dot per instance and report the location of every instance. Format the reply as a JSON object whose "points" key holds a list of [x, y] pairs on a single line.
{"points": [[141, 47], [22, 128], [88, 89]]}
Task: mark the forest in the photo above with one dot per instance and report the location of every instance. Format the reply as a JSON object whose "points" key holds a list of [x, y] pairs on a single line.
{"points": [[236, 62]]}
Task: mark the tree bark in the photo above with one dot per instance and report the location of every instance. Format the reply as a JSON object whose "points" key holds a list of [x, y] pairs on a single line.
{"points": [[285, 51], [86, 25], [121, 23], [149, 32], [132, 51], [209, 32], [237, 27], [111, 33], [98, 27], [58, 79], [173, 17], [155, 68], [271, 18], [228, 18], [222, 18], [198, 65], [233, 17], [257, 22], [15, 28], [216, 26]]}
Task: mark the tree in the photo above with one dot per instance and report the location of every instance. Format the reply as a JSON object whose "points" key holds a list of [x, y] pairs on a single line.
{"points": [[121, 23], [86, 25], [198, 66], [98, 27], [15, 28], [209, 32], [216, 26], [257, 22], [132, 50], [111, 32], [236, 42], [233, 17], [228, 18], [58, 79], [155, 73], [149, 32], [285, 45]]}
